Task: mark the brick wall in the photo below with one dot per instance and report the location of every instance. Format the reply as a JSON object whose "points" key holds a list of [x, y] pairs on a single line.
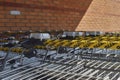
{"points": [[102, 15], [39, 15]]}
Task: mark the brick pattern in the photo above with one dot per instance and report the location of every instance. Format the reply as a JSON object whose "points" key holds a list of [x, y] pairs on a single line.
{"points": [[102, 15], [42, 15]]}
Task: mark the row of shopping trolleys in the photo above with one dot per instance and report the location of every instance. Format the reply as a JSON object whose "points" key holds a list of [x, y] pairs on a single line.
{"points": [[65, 69]]}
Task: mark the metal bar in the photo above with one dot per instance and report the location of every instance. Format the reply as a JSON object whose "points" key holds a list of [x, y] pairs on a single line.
{"points": [[115, 76], [83, 71], [35, 76], [47, 75], [90, 62], [29, 73], [109, 74], [112, 65], [40, 74], [69, 61], [106, 64], [117, 67], [100, 64], [87, 76], [71, 77], [61, 71], [95, 63], [72, 69], [104, 71], [87, 72], [80, 62], [73, 62], [24, 76], [96, 71], [60, 77], [79, 78], [22, 72], [7, 72], [55, 75], [45, 72], [77, 67], [52, 68]]}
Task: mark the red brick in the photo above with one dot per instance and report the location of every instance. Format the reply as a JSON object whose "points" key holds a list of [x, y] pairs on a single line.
{"points": [[2, 24], [9, 8], [2, 16], [4, 20], [4, 28], [42, 14], [4, 12], [9, 0], [20, 17], [25, 21], [10, 24], [10, 16], [30, 17], [15, 20], [15, 28], [2, 8], [25, 28], [20, 24], [2, 0], [20, 1]]}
